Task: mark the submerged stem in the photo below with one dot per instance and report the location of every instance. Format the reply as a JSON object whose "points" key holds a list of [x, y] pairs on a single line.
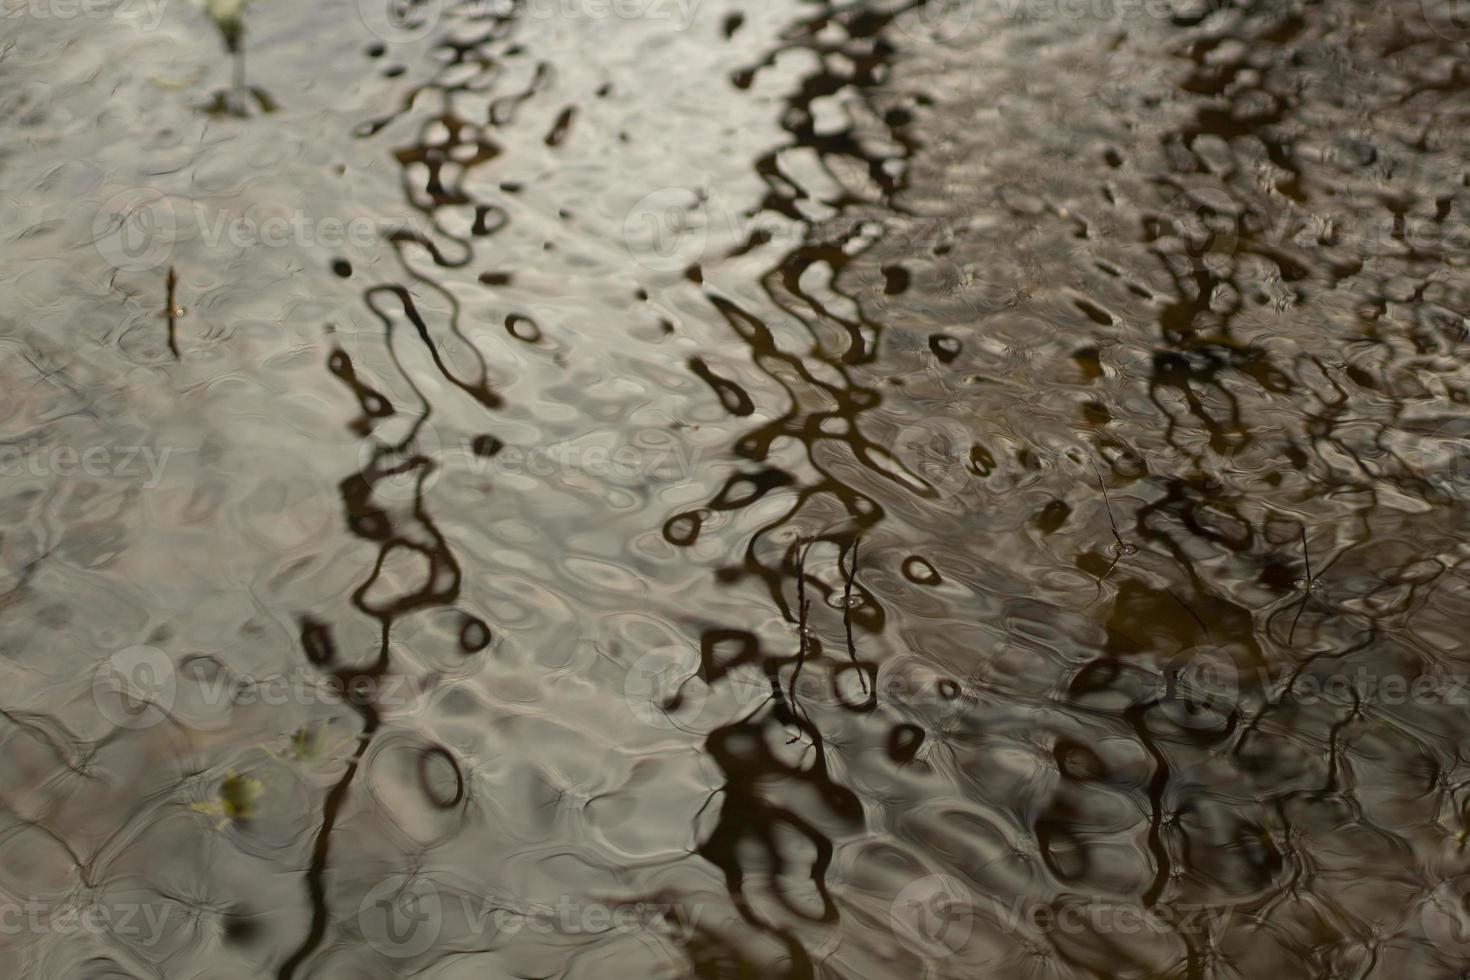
{"points": [[239, 80]]}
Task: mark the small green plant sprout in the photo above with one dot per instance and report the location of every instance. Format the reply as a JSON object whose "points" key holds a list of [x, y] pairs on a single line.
{"points": [[235, 800], [308, 745], [229, 19]]}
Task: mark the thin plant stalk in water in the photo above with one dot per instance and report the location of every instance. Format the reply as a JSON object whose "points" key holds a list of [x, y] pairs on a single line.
{"points": [[1308, 584], [847, 606], [1121, 548], [228, 17]]}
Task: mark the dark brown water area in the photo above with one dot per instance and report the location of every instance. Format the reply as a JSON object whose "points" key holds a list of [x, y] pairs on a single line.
{"points": [[683, 488]]}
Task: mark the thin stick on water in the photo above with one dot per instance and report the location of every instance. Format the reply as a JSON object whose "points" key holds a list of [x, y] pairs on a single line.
{"points": [[847, 614], [1191, 612], [229, 19], [171, 312], [802, 606], [1108, 503], [241, 91], [801, 655], [1307, 593], [1118, 538]]}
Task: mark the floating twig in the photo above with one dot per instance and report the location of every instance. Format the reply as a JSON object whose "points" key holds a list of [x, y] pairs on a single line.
{"points": [[1108, 503], [1191, 612], [847, 614], [1121, 547], [1307, 590], [171, 312], [803, 605]]}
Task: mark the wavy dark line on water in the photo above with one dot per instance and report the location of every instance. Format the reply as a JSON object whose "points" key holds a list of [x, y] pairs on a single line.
{"points": [[1072, 516], [391, 528], [745, 817]]}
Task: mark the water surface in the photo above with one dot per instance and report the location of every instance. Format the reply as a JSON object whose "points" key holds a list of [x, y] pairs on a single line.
{"points": [[722, 490]]}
